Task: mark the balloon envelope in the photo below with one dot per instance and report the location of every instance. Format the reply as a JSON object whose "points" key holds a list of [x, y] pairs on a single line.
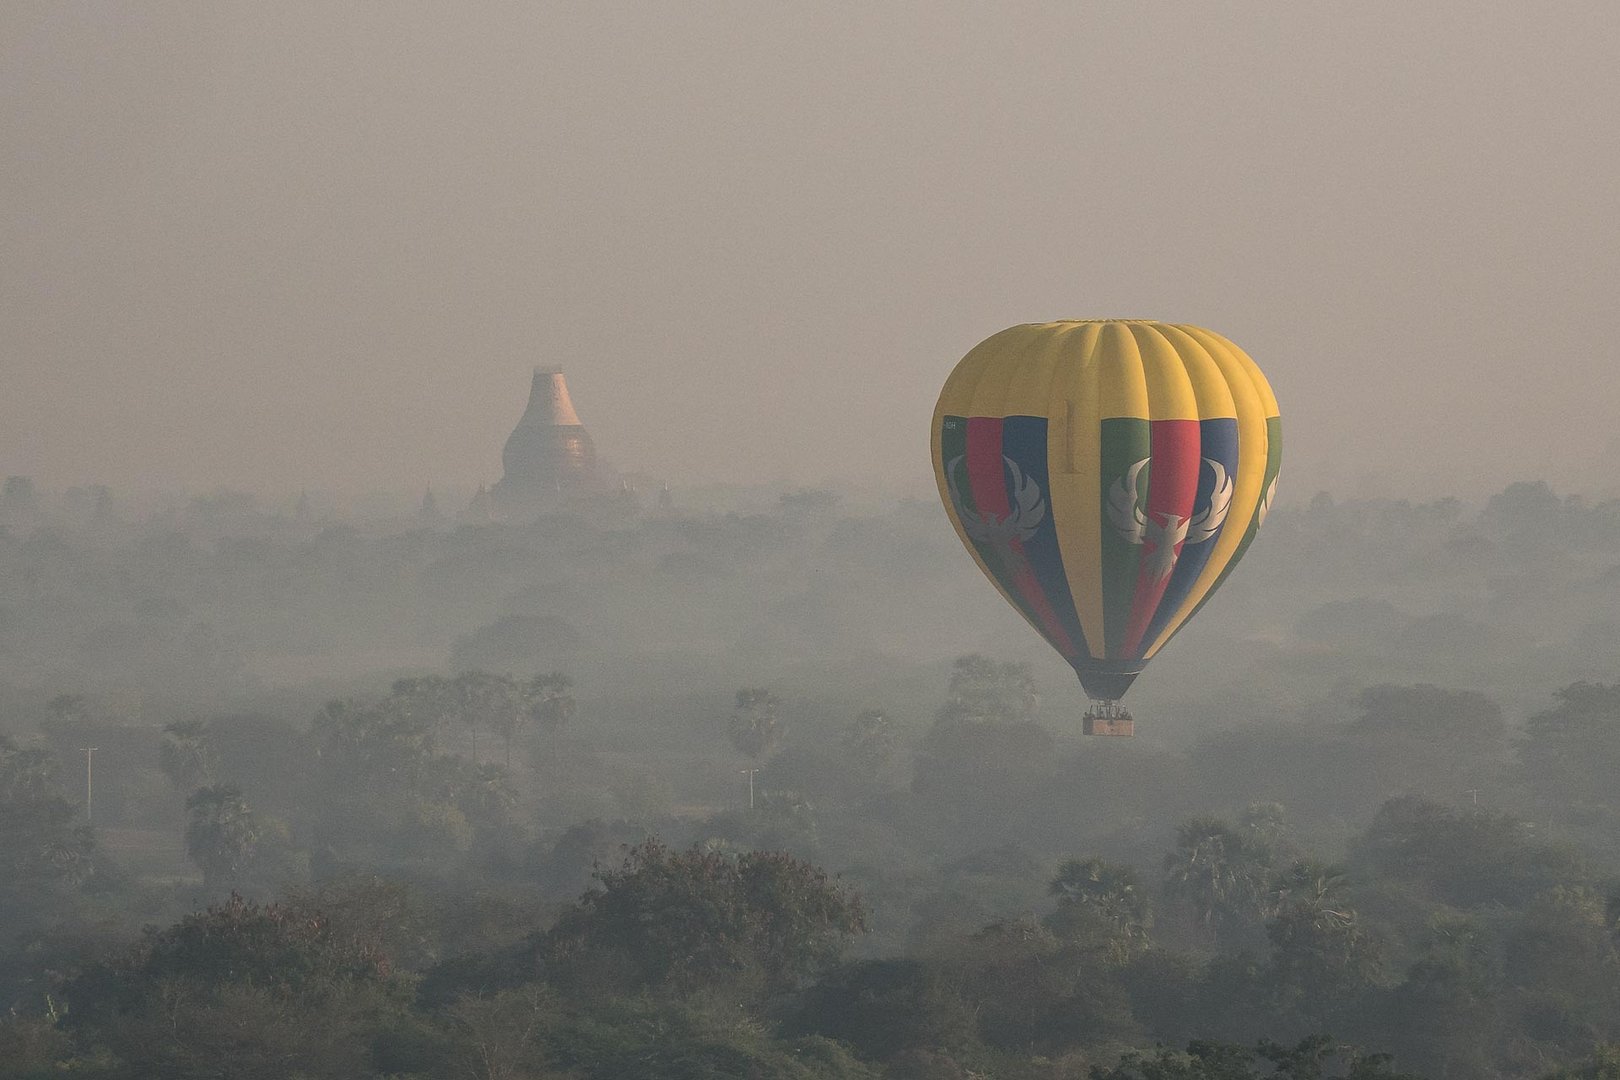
{"points": [[1107, 475]]}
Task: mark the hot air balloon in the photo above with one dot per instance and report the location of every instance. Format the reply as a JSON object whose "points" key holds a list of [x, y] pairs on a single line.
{"points": [[1107, 475]]}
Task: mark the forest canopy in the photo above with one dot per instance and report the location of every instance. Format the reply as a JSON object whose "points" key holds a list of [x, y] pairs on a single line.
{"points": [[742, 792]]}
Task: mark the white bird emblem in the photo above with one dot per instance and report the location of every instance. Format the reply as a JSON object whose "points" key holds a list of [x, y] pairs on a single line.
{"points": [[1162, 536], [1265, 501], [1024, 517]]}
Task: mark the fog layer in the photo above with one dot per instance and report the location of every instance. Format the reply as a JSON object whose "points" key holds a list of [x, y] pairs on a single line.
{"points": [[312, 244]]}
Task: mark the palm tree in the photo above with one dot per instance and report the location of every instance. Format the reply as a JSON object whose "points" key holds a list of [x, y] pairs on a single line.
{"points": [[870, 745], [425, 703], [222, 833], [1313, 890], [480, 698], [754, 729], [1264, 824], [1219, 873], [1320, 954], [871, 737], [187, 755], [380, 745], [487, 791], [1111, 892], [26, 775], [41, 838], [549, 703]]}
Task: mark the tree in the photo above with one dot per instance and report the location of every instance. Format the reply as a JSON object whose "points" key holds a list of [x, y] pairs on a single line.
{"points": [[483, 701], [373, 916], [989, 690], [1604, 1064], [514, 643], [663, 1039], [754, 728], [1090, 890], [1312, 889], [1459, 716], [1220, 874], [250, 991], [1527, 514], [1467, 859], [387, 789], [1446, 1017], [1558, 948], [985, 758], [780, 821], [491, 702], [18, 499], [495, 1034], [65, 707], [484, 792], [870, 740], [1424, 738], [1321, 957], [222, 833], [425, 704], [888, 1006], [548, 704], [44, 847], [1571, 752], [702, 920], [187, 755], [577, 856], [1309, 1059], [282, 947], [472, 700], [383, 745], [1264, 826], [551, 700], [428, 514], [33, 1045], [1030, 990]]}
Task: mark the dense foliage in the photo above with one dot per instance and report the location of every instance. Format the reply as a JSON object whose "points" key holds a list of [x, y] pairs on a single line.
{"points": [[1372, 818]]}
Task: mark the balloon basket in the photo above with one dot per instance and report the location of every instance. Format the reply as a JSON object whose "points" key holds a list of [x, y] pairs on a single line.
{"points": [[1107, 718]]}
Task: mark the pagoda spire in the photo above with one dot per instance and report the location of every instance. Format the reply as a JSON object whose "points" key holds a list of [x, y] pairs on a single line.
{"points": [[549, 454]]}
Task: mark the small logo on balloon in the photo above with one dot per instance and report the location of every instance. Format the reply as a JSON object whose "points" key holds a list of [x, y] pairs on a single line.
{"points": [[1163, 536], [1266, 499], [1022, 520]]}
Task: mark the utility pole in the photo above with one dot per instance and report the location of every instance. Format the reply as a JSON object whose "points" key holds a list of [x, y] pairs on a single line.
{"points": [[751, 773], [89, 782], [1475, 793]]}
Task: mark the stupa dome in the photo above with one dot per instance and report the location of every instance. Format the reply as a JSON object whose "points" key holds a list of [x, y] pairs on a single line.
{"points": [[549, 453]]}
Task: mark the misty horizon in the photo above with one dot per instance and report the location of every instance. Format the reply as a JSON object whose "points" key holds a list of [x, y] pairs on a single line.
{"points": [[323, 247], [515, 565]]}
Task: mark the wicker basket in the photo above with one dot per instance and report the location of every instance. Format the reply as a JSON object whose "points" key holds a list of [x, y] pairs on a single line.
{"points": [[1122, 726]]}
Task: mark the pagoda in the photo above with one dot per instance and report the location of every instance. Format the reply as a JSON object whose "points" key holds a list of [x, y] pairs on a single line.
{"points": [[549, 455]]}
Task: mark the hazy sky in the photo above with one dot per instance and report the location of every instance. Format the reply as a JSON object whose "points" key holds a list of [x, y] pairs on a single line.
{"points": [[283, 245]]}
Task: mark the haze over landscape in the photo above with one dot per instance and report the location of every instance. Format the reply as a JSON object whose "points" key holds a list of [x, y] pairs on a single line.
{"points": [[475, 602], [318, 245]]}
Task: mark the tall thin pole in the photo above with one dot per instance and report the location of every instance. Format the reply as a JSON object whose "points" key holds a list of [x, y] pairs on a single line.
{"points": [[751, 773], [90, 781]]}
